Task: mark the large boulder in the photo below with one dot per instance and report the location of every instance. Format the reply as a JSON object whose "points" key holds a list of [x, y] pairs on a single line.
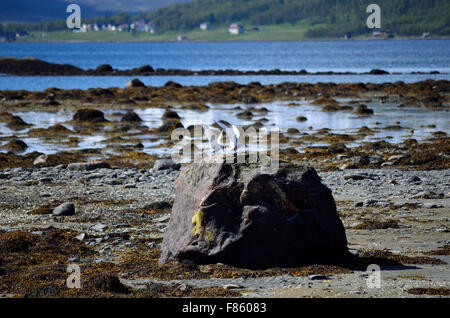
{"points": [[237, 215]]}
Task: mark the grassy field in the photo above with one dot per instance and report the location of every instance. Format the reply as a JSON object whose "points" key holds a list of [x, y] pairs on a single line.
{"points": [[267, 33], [281, 32]]}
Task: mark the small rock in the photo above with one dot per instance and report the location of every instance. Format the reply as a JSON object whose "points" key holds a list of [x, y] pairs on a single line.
{"points": [[99, 227], [232, 286], [42, 159], [87, 166], [396, 158], [349, 165], [166, 164], [355, 177], [66, 209], [415, 179], [81, 237], [318, 277]]}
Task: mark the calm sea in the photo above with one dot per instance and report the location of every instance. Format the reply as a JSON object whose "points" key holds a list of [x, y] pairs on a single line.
{"points": [[354, 56]]}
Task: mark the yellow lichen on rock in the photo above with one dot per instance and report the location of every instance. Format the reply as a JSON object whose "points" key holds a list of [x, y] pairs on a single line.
{"points": [[199, 228], [197, 220]]}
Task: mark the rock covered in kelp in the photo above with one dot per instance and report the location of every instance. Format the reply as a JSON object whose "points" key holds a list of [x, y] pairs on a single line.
{"points": [[131, 117], [89, 115], [134, 83]]}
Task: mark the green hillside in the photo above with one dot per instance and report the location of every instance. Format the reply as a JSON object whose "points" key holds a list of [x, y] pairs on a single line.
{"points": [[276, 19], [335, 17]]}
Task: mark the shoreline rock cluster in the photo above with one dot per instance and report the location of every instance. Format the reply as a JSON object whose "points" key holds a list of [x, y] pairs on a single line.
{"points": [[35, 67]]}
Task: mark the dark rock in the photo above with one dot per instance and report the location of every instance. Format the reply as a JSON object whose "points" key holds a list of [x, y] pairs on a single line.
{"points": [[170, 114], [302, 118], [131, 117], [65, 209], [172, 84], [245, 115], [16, 145], [364, 110], [104, 68], [89, 115], [159, 206], [17, 123], [145, 69], [88, 166], [31, 66], [234, 214], [355, 177], [134, 83], [378, 72], [168, 126], [415, 179]]}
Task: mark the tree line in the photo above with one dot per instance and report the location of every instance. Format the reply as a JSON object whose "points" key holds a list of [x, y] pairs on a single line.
{"points": [[326, 18]]}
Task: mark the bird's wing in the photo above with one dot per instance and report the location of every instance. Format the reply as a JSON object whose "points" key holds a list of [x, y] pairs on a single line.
{"points": [[222, 126], [236, 131]]}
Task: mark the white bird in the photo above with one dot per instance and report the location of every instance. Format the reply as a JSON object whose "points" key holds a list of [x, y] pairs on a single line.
{"points": [[214, 136], [235, 135]]}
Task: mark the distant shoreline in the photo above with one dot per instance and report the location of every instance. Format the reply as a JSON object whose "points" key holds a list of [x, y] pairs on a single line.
{"points": [[234, 41], [268, 34], [36, 67]]}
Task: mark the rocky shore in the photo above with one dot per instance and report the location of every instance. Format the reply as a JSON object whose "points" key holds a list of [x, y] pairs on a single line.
{"points": [[35, 67], [109, 216], [121, 216]]}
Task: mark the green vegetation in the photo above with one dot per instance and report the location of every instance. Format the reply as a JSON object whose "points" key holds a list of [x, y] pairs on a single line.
{"points": [[283, 32], [278, 19], [404, 17]]}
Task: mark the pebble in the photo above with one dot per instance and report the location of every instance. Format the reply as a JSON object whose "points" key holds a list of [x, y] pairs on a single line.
{"points": [[99, 227], [88, 166], [231, 286], [318, 277], [65, 209], [166, 164], [81, 237]]}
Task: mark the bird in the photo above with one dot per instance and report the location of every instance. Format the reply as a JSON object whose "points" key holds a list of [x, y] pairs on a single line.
{"points": [[234, 138], [214, 137]]}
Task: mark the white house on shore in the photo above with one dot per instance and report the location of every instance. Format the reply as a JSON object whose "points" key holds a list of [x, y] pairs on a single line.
{"points": [[236, 29], [205, 26]]}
